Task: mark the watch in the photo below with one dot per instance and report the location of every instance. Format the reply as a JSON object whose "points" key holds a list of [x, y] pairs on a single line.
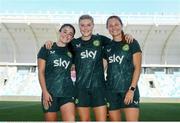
{"points": [[132, 88]]}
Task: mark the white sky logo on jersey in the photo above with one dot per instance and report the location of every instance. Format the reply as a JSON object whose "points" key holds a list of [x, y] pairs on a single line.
{"points": [[88, 54], [60, 62], [52, 51], [115, 58]]}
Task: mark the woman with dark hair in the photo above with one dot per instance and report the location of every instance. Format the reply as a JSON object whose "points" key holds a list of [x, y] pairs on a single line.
{"points": [[123, 71], [54, 68]]}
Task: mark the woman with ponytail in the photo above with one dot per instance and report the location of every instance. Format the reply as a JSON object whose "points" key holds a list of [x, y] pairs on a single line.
{"points": [[123, 71]]}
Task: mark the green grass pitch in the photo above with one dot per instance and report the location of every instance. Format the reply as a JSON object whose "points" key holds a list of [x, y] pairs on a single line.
{"points": [[31, 111]]}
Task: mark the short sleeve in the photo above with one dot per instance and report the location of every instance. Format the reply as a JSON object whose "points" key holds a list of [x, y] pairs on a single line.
{"points": [[105, 40], [135, 47], [43, 53]]}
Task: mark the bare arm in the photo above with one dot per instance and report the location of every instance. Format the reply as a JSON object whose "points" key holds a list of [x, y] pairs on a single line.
{"points": [[41, 74], [137, 68], [137, 71], [105, 65]]}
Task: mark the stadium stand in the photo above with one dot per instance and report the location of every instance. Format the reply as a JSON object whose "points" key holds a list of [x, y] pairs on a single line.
{"points": [[164, 85], [22, 83], [25, 83]]}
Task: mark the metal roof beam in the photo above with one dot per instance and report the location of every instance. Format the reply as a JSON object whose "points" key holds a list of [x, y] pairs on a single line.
{"points": [[13, 42], [164, 49]]}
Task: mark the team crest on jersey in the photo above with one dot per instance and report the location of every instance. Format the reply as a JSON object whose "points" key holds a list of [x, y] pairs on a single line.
{"points": [[125, 47], [69, 54], [96, 43]]}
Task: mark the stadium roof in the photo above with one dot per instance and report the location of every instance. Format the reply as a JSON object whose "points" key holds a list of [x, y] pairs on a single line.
{"points": [[21, 35]]}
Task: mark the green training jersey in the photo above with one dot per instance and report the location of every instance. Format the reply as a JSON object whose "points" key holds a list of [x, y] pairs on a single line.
{"points": [[120, 64], [88, 61], [57, 70]]}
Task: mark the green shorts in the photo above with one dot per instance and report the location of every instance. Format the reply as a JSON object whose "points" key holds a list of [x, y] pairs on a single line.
{"points": [[90, 97], [56, 103], [115, 100]]}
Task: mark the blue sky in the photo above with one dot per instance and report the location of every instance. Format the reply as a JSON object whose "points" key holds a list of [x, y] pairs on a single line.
{"points": [[101, 6]]}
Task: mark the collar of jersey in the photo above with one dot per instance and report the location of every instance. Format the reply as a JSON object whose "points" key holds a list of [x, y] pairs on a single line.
{"points": [[57, 47], [87, 41]]}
